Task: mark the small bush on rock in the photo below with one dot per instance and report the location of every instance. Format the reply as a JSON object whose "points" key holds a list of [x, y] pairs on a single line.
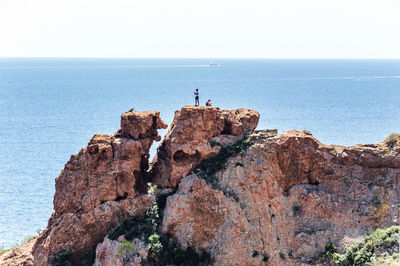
{"points": [[89, 257], [154, 242], [131, 228], [162, 249], [282, 255], [127, 250], [209, 167], [328, 254], [61, 258], [380, 245], [26, 240], [392, 140], [172, 254]]}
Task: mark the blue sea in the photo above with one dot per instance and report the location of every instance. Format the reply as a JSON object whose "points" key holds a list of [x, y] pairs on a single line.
{"points": [[50, 108]]}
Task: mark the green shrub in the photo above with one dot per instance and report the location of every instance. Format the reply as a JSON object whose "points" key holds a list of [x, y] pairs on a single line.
{"points": [[131, 228], [26, 240], [369, 250], [2, 251], [282, 255], [154, 242], [392, 140], [329, 253], [126, 247], [89, 257], [61, 258], [386, 259], [209, 167], [172, 254], [127, 250], [163, 250], [131, 110], [330, 248], [162, 201]]}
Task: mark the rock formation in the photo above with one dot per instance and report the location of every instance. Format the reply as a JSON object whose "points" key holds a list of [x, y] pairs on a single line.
{"points": [[187, 141], [284, 199], [278, 201], [100, 186], [109, 253]]}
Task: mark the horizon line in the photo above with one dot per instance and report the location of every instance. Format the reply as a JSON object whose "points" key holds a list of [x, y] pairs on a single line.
{"points": [[205, 58]]}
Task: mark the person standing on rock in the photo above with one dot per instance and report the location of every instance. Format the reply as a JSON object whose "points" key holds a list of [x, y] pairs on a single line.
{"points": [[196, 97]]}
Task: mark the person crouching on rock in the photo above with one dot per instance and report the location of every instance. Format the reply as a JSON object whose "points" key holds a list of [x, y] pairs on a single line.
{"points": [[208, 103], [196, 98]]}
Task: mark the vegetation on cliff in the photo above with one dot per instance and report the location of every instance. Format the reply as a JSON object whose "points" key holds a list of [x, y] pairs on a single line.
{"points": [[284, 189], [162, 249], [65, 258], [392, 140], [209, 167], [26, 240], [18, 254], [381, 247]]}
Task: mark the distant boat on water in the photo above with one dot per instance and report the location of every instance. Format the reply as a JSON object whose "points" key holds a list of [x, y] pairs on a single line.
{"points": [[213, 64]]}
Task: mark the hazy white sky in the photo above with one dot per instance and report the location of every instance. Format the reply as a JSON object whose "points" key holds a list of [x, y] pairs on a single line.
{"points": [[203, 28]]}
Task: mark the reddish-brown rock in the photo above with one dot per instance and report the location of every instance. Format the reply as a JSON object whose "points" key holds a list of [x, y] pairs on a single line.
{"points": [[286, 197], [20, 255], [109, 253], [281, 201], [100, 186], [187, 141], [141, 125]]}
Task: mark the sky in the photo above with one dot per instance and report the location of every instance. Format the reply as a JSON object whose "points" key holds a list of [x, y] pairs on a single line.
{"points": [[200, 28]]}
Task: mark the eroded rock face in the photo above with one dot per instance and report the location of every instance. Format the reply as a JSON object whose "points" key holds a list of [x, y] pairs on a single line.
{"points": [[141, 125], [109, 253], [285, 199], [187, 141], [280, 201], [100, 186]]}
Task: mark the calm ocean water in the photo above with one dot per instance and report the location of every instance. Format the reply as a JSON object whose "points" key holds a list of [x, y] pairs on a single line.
{"points": [[50, 108]]}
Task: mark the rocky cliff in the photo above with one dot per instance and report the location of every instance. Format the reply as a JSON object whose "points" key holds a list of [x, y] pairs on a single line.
{"points": [[99, 187], [190, 136], [284, 199], [243, 197]]}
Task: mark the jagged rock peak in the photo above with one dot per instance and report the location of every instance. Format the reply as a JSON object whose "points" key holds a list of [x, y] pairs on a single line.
{"points": [[141, 125], [100, 186], [187, 141]]}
